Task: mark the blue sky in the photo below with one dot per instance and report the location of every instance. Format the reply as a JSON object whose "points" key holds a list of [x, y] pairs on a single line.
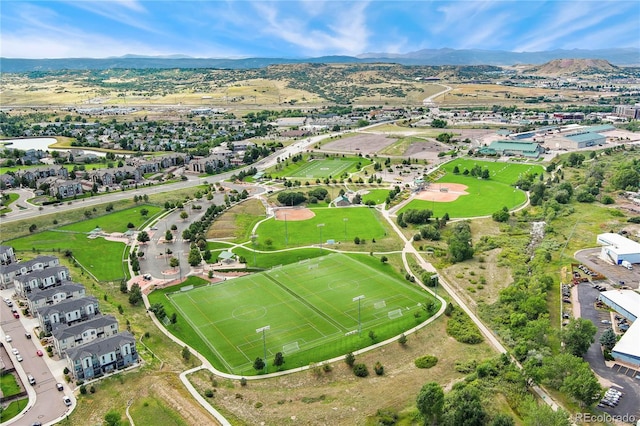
{"points": [[217, 29]]}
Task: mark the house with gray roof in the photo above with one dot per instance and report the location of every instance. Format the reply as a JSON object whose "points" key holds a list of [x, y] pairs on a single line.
{"points": [[7, 255], [9, 272], [102, 356], [50, 296], [71, 336], [70, 311], [40, 278]]}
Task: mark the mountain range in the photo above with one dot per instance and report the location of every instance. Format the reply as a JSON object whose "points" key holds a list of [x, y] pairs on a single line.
{"points": [[445, 56]]}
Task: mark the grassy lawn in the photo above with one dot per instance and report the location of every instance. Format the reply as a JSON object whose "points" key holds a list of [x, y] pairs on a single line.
{"points": [[399, 147], [484, 196], [328, 223], [11, 198], [308, 307], [116, 222], [267, 260], [13, 409], [319, 168], [152, 411], [237, 222], [9, 385], [102, 258], [378, 196]]}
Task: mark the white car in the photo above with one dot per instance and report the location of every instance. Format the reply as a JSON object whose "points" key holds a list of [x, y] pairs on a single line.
{"points": [[15, 351], [8, 338], [67, 400], [19, 357]]}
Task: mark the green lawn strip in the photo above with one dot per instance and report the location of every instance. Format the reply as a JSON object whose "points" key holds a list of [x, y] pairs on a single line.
{"points": [[100, 257], [116, 222], [9, 385], [151, 411], [399, 147], [300, 305], [11, 198], [267, 260], [362, 222], [378, 196], [14, 408]]}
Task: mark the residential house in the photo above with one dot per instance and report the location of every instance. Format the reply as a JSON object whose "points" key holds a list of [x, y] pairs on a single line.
{"points": [[9, 272], [65, 188], [70, 311], [7, 255], [50, 296], [102, 356], [70, 336], [40, 279]]}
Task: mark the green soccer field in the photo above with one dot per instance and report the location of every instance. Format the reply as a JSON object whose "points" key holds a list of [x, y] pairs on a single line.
{"points": [[309, 309], [324, 168]]}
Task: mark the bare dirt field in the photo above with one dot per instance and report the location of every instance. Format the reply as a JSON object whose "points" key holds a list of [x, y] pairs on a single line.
{"points": [[294, 214], [364, 143], [427, 150], [436, 192]]}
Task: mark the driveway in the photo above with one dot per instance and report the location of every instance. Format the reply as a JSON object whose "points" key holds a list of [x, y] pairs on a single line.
{"points": [[630, 387]]}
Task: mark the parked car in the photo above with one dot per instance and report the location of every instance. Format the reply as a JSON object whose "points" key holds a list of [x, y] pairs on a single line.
{"points": [[8, 301], [67, 400], [16, 315], [27, 335], [19, 357], [32, 380], [15, 351], [39, 352], [8, 338], [59, 386]]}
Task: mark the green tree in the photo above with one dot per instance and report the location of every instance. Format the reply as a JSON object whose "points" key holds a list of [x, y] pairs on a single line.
{"points": [[186, 353], [350, 359], [501, 215], [168, 236], [430, 402], [578, 335], [184, 215], [439, 124], [535, 414], [259, 364], [135, 294], [174, 262], [194, 258], [143, 237], [112, 418], [502, 419], [464, 406], [278, 360], [583, 386], [384, 259], [608, 339]]}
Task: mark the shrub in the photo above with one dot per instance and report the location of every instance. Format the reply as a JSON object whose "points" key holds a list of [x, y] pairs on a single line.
{"points": [[461, 328], [243, 381], [426, 361], [92, 389], [208, 393], [386, 417], [378, 368], [83, 389], [360, 370], [402, 340], [350, 359], [327, 368]]}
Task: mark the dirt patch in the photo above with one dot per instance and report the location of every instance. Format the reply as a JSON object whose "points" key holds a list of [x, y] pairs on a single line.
{"points": [[294, 214], [443, 192], [366, 143]]}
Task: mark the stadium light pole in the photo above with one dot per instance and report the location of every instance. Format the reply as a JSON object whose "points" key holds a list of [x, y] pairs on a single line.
{"points": [[359, 298], [345, 220], [320, 226], [264, 342]]}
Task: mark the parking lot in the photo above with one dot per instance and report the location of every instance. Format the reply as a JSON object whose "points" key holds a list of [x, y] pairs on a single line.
{"points": [[621, 379], [617, 276]]}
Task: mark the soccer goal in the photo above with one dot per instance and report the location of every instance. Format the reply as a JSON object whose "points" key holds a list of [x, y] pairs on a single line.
{"points": [[380, 305], [290, 347], [397, 313]]}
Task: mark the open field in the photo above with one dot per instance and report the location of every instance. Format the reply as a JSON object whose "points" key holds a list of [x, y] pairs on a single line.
{"points": [[309, 307], [484, 196], [318, 168], [236, 223], [378, 196], [327, 224], [116, 222], [365, 143]]}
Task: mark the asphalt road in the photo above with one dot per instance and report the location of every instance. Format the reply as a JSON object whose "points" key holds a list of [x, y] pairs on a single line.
{"points": [[630, 403]]}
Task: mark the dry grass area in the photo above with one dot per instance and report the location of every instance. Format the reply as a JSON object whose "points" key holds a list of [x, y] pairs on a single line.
{"points": [[235, 220], [496, 94], [338, 397]]}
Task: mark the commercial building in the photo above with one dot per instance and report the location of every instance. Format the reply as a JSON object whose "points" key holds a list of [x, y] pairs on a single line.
{"points": [[616, 248], [509, 148], [627, 304]]}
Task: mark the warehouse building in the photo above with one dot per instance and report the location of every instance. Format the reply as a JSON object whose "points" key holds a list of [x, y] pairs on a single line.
{"points": [[508, 148], [618, 249], [627, 304]]}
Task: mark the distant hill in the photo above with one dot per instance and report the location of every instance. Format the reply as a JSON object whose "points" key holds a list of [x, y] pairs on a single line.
{"points": [[559, 67], [433, 57]]}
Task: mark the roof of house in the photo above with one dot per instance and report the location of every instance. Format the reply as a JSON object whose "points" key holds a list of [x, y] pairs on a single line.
{"points": [[100, 347], [68, 305], [101, 321], [41, 273], [27, 264], [67, 287]]}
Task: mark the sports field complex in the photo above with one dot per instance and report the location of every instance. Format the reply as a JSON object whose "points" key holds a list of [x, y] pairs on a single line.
{"points": [[310, 311]]}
